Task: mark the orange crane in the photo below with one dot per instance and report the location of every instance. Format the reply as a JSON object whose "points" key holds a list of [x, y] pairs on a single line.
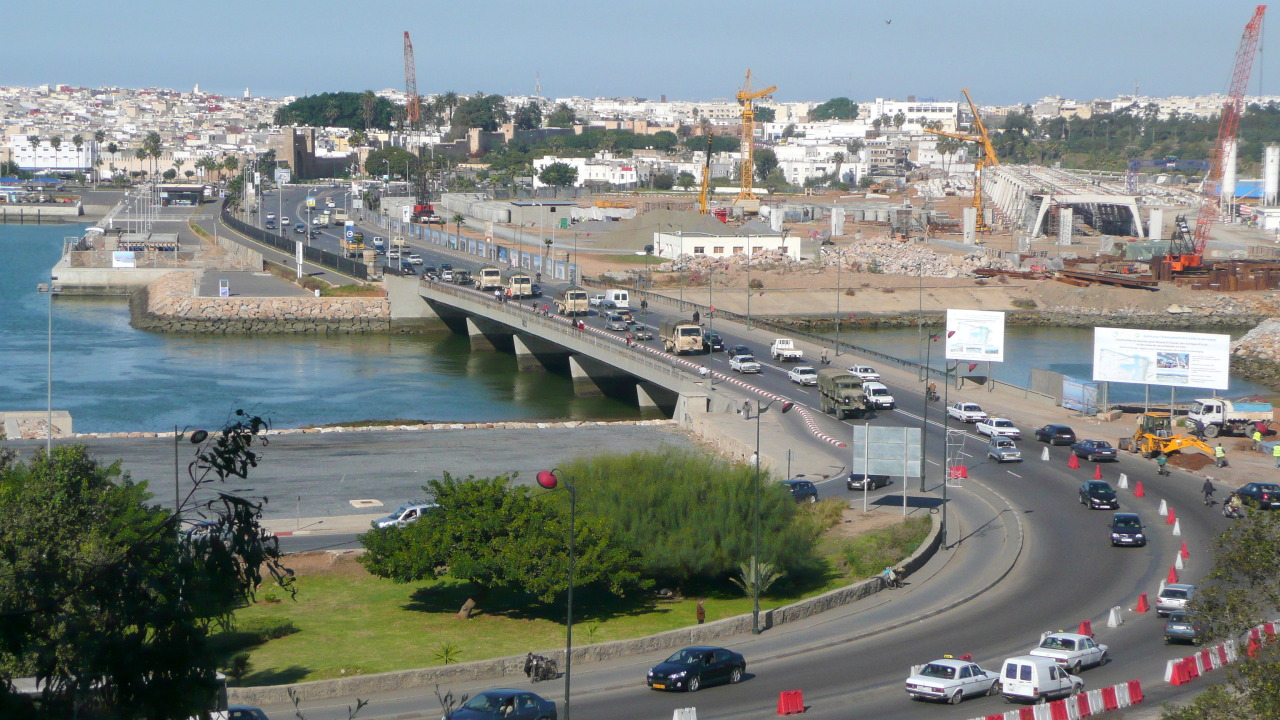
{"points": [[988, 156], [746, 198], [411, 110], [706, 173]]}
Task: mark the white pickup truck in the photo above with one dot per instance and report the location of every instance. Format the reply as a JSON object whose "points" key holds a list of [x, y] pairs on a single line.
{"points": [[785, 350], [967, 412], [596, 300]]}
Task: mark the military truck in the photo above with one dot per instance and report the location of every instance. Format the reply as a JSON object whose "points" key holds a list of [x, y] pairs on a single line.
{"points": [[488, 278], [681, 336], [572, 301], [842, 393]]}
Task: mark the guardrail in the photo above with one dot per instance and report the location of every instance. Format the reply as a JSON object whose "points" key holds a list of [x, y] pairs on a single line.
{"points": [[314, 255]]}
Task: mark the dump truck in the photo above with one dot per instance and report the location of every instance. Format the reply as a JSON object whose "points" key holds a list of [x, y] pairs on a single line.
{"points": [[1231, 417], [572, 301], [489, 278], [681, 337], [842, 393], [1155, 435]]}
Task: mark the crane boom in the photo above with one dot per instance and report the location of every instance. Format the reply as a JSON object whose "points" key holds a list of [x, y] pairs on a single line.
{"points": [[745, 96], [411, 110], [988, 156], [706, 175], [1184, 257]]}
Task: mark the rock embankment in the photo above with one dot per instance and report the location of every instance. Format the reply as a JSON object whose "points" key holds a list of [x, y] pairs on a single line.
{"points": [[169, 305], [1257, 355]]}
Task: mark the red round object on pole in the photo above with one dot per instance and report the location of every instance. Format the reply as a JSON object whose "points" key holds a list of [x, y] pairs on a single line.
{"points": [[547, 479]]}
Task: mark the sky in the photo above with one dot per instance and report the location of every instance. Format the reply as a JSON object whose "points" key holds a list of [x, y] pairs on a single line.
{"points": [[1003, 51]]}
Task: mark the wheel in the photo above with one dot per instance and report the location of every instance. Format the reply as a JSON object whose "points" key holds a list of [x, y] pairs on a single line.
{"points": [[1104, 659], [735, 676], [1042, 699], [695, 682], [813, 499], [1077, 689], [956, 697], [1211, 431], [1074, 669], [994, 689]]}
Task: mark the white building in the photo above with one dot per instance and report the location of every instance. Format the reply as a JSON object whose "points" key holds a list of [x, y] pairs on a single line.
{"points": [[947, 113], [594, 171], [41, 155], [670, 245]]}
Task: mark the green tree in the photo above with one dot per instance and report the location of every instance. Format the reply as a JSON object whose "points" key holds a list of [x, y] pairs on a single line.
{"points": [[319, 111], [899, 119], [775, 181], [368, 108], [663, 181], [500, 537], [99, 136], [766, 160], [376, 162], [482, 111], [231, 163], [686, 179], [765, 114], [170, 174], [839, 108], [78, 141], [855, 147], [559, 175], [528, 117], [113, 148], [561, 117], [457, 219]]}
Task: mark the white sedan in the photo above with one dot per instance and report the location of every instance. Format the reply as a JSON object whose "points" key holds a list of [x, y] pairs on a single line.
{"points": [[1071, 650], [415, 259], [998, 427], [744, 364], [803, 375], [866, 372], [952, 680]]}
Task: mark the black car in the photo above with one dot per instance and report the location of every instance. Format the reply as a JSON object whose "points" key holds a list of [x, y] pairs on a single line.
{"points": [[407, 270], [445, 266], [505, 704], [696, 667], [802, 490], [712, 342], [1056, 435], [1098, 494], [1260, 495], [1094, 450], [535, 290], [858, 481], [736, 350], [1127, 529], [430, 271]]}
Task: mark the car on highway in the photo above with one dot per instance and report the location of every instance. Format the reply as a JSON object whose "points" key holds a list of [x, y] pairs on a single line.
{"points": [[736, 350], [329, 203], [243, 712], [1056, 435], [1098, 495], [595, 300], [404, 514], [379, 243], [802, 490], [878, 396], [448, 275], [696, 667], [615, 322], [1260, 495], [393, 253], [460, 277], [1035, 679], [625, 313], [1094, 450], [535, 290], [859, 481], [712, 342], [1180, 627], [803, 375], [406, 270], [415, 259], [504, 704], [641, 331], [299, 228], [866, 372], [1003, 449], [314, 232], [1071, 650], [744, 364], [284, 221], [1127, 529], [967, 412], [951, 680], [1174, 598], [430, 271], [998, 426]]}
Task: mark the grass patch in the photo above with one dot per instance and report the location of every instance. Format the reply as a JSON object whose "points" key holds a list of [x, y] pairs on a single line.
{"points": [[872, 552], [352, 291], [204, 235], [1023, 303]]}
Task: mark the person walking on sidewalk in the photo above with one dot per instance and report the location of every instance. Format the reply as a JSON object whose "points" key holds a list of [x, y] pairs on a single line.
{"points": [[1208, 491], [1220, 456], [1161, 460]]}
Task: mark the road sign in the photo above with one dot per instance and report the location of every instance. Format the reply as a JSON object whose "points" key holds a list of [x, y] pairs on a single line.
{"points": [[311, 201]]}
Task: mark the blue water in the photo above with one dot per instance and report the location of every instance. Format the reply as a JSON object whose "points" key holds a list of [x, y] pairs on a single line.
{"points": [[112, 378]]}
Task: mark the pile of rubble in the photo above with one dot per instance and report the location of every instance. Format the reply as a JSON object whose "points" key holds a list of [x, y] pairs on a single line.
{"points": [[898, 258], [1257, 354]]}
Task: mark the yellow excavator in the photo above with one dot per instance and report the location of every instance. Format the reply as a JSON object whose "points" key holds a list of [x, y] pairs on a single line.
{"points": [[1155, 435]]}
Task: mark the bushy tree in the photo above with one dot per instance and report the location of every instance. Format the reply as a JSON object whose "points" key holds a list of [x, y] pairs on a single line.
{"points": [[528, 117], [686, 179], [376, 162], [561, 117], [351, 110], [765, 114], [766, 161], [839, 108], [663, 181], [482, 111], [559, 174]]}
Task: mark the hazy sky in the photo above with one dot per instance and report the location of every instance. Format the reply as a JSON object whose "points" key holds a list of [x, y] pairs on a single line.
{"points": [[1003, 51]]}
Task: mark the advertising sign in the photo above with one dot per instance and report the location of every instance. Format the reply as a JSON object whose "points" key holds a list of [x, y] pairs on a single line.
{"points": [[975, 335], [224, 288], [349, 230], [311, 201], [123, 259], [1159, 357], [283, 175]]}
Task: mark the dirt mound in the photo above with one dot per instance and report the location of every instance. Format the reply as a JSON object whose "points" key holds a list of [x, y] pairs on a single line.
{"points": [[323, 562], [1192, 461]]}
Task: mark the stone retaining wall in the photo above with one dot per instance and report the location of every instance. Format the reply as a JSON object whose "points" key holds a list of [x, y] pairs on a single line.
{"points": [[169, 305], [366, 685]]}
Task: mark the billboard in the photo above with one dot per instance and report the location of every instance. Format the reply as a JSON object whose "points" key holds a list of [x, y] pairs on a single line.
{"points": [[1159, 357], [975, 335]]}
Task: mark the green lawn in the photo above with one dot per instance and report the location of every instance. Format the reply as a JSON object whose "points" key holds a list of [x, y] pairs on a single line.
{"points": [[350, 622]]}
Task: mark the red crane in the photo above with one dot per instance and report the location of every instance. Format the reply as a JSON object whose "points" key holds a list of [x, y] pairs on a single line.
{"points": [[1184, 254], [411, 115]]}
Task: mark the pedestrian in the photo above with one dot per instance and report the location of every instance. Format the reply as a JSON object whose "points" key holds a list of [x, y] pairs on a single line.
{"points": [[497, 296], [1220, 456], [702, 613], [1208, 490], [644, 306], [825, 360], [703, 372], [697, 318], [544, 309], [630, 339], [1275, 453], [1162, 459], [1257, 440]]}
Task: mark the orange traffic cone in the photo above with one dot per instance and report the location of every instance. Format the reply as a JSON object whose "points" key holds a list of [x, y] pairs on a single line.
{"points": [[1138, 491], [1097, 472], [1185, 554], [1172, 517], [1086, 628], [1073, 462], [1173, 575], [1142, 603]]}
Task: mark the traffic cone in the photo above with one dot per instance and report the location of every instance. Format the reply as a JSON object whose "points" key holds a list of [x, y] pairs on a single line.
{"points": [[1184, 552], [1142, 603], [1177, 561], [1173, 575], [1177, 530], [1073, 462], [1124, 482], [1086, 628], [1138, 491], [1044, 454], [1097, 472], [1164, 508], [1173, 517]]}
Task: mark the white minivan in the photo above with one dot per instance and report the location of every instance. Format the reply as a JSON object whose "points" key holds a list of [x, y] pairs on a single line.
{"points": [[1037, 679], [616, 299], [878, 395]]}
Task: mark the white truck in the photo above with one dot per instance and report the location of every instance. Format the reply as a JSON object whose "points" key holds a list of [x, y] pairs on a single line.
{"points": [[1230, 417], [785, 350]]}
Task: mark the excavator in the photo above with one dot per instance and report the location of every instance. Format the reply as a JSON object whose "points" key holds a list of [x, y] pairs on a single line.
{"points": [[1155, 435], [988, 156]]}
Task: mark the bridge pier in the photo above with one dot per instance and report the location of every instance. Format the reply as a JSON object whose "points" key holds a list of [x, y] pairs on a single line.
{"points": [[526, 360], [484, 333], [583, 384]]}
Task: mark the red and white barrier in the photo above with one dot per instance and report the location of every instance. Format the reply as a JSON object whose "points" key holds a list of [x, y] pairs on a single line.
{"points": [[1184, 670], [1086, 704]]}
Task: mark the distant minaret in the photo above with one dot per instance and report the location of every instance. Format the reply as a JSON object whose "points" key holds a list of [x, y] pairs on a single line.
{"points": [[247, 95], [196, 91], [537, 84]]}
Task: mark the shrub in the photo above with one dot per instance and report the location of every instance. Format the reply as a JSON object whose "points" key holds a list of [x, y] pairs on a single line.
{"points": [[756, 284], [872, 552], [1024, 303], [266, 628], [238, 667]]}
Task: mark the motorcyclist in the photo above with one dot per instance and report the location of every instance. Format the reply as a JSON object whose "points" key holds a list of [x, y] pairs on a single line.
{"points": [[1233, 508]]}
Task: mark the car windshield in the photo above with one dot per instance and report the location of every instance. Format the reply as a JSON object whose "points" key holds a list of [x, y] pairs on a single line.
{"points": [[746, 359], [806, 371], [1101, 489], [1002, 423], [1057, 643], [1127, 522], [1100, 444], [945, 672], [1003, 443], [687, 656], [690, 331]]}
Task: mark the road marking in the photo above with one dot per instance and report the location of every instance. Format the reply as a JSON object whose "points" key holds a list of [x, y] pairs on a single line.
{"points": [[1013, 473]]}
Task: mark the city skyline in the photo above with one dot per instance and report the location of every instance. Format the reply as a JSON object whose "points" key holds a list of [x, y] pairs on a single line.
{"points": [[997, 49]]}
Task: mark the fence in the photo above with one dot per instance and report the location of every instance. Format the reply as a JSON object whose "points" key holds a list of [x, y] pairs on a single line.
{"points": [[488, 250], [347, 266]]}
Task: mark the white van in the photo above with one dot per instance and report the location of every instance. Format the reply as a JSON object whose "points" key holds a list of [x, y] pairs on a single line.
{"points": [[616, 299], [1037, 679], [878, 395]]}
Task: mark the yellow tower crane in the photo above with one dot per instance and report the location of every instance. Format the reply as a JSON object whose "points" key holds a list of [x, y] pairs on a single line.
{"points": [[706, 173], [746, 198], [986, 158]]}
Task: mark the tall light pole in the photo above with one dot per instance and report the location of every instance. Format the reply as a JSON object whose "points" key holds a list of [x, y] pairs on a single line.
{"points": [[755, 540], [549, 479], [52, 289], [839, 264], [749, 281]]}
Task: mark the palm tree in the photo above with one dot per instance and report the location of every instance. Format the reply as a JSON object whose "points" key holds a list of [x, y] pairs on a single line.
{"points": [[99, 136], [839, 160], [55, 142], [368, 104], [450, 100], [457, 223], [113, 149], [78, 141], [178, 163]]}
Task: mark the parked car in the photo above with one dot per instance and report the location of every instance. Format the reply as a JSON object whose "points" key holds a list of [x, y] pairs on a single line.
{"points": [[1173, 598], [802, 490], [1127, 529], [641, 332], [866, 372], [952, 680], [1098, 494], [1094, 450], [712, 342], [1056, 435], [1071, 650], [803, 375], [1181, 627], [505, 704], [404, 514], [736, 350], [1003, 449], [744, 364], [859, 481], [998, 426], [695, 667], [1260, 495], [967, 412]]}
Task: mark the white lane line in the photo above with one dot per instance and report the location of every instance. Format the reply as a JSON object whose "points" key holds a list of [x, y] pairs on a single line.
{"points": [[1013, 473]]}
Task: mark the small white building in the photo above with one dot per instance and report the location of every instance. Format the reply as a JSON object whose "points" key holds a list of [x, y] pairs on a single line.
{"points": [[670, 245], [592, 171]]}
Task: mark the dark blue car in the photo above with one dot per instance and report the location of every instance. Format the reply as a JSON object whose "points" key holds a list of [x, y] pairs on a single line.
{"points": [[694, 667], [1094, 450], [505, 704]]}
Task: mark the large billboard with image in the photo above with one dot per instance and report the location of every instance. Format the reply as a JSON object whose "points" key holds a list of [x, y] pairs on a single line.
{"points": [[975, 335], [1161, 357]]}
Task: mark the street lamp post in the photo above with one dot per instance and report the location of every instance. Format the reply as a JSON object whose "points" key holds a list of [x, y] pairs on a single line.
{"points": [[755, 540], [550, 479], [52, 289], [839, 264]]}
